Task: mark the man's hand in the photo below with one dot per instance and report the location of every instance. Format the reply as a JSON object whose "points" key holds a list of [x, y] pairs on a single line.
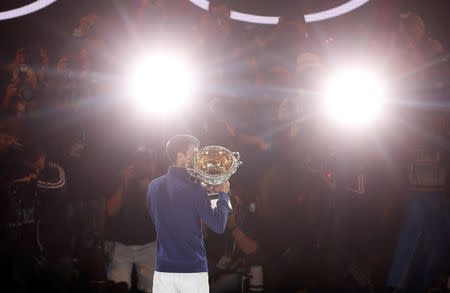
{"points": [[209, 188], [225, 187]]}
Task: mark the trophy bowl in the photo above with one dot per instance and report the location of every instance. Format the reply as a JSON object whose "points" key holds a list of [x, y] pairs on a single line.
{"points": [[213, 165]]}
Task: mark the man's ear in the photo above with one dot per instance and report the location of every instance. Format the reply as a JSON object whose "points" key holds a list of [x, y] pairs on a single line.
{"points": [[180, 157]]}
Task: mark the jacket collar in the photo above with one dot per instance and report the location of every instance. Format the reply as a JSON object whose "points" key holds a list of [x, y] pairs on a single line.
{"points": [[178, 172]]}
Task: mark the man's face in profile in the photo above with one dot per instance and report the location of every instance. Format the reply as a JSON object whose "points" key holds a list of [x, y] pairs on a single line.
{"points": [[190, 153]]}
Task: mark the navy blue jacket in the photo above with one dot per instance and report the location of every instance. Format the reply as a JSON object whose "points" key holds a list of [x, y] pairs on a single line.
{"points": [[177, 207]]}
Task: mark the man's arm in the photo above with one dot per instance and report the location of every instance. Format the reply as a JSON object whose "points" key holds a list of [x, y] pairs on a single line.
{"points": [[114, 203], [215, 219], [245, 243], [148, 201]]}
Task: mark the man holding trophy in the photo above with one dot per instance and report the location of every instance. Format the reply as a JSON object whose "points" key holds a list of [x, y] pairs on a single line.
{"points": [[178, 205]]}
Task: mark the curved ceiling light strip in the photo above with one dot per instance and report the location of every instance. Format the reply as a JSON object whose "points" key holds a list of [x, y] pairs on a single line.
{"points": [[336, 11], [313, 17], [27, 9], [203, 4], [252, 18]]}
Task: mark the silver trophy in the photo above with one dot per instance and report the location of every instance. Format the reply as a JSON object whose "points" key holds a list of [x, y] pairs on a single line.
{"points": [[213, 165]]}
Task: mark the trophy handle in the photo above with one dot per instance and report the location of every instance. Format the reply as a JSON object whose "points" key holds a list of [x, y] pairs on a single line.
{"points": [[236, 155], [192, 172]]}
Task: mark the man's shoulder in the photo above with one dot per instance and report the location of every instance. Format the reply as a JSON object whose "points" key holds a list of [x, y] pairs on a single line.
{"points": [[188, 186], [154, 185], [157, 181]]}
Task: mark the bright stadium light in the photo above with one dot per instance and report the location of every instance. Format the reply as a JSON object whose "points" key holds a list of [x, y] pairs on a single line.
{"points": [[160, 84], [354, 98]]}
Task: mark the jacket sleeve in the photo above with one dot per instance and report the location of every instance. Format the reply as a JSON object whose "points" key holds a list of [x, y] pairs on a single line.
{"points": [[215, 219], [148, 200]]}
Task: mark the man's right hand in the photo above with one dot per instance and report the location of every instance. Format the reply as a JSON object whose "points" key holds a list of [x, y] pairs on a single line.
{"points": [[225, 187]]}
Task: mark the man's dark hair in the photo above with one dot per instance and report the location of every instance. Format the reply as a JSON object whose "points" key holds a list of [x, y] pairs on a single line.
{"points": [[180, 144]]}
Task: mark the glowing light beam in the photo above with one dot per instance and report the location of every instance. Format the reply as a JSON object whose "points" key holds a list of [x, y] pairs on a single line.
{"points": [[354, 98], [160, 83]]}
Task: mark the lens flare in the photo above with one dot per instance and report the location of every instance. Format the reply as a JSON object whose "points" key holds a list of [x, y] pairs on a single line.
{"points": [[354, 98]]}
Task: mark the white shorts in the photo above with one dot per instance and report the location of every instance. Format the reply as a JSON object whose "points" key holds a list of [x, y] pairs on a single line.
{"points": [[124, 256], [180, 283]]}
